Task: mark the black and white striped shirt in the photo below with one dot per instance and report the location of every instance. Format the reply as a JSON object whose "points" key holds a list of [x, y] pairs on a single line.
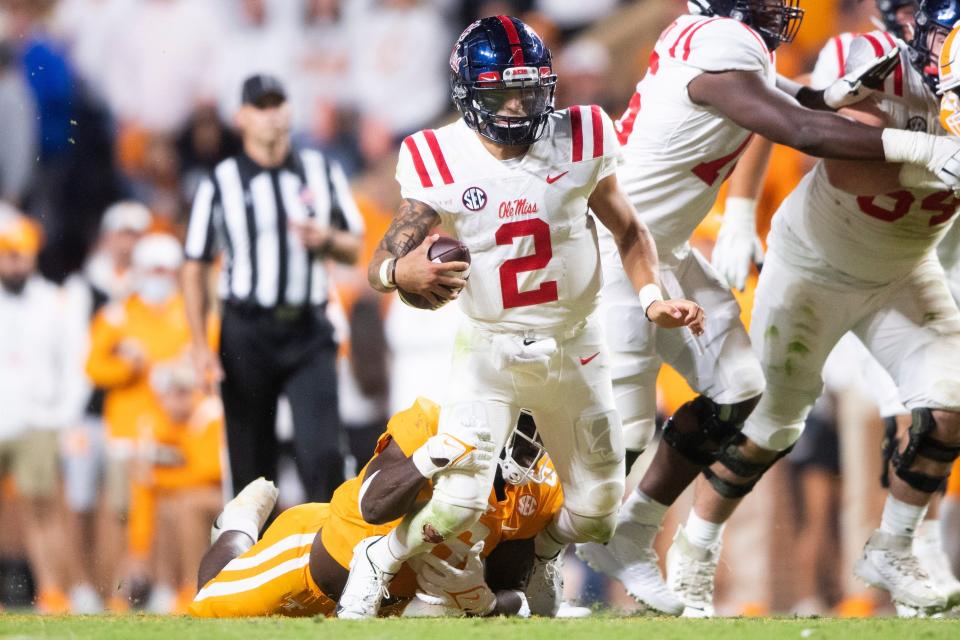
{"points": [[245, 209]]}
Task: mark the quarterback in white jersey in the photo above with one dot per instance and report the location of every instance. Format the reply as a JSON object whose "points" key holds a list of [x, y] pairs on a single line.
{"points": [[513, 180], [711, 83], [853, 249]]}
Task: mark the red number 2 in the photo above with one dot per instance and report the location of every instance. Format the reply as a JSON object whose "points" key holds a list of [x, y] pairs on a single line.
{"points": [[543, 251]]}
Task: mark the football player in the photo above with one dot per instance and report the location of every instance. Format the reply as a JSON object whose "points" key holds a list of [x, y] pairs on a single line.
{"points": [[710, 85], [513, 179], [300, 565], [852, 249]]}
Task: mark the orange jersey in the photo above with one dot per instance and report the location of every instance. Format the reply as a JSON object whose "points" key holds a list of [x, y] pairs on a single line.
{"points": [[953, 482], [522, 514]]}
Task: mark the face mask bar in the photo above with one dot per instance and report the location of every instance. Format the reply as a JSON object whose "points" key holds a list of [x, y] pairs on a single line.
{"points": [[530, 467]]}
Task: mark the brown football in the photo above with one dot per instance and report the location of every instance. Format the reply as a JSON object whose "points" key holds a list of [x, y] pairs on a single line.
{"points": [[445, 249]]}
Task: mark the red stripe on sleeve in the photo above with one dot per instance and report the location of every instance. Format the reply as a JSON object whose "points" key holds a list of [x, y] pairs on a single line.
{"points": [[841, 59], [877, 47], [597, 131], [576, 128], [418, 161], [673, 49], [763, 45], [438, 156], [898, 70], [624, 125], [686, 45], [513, 38]]}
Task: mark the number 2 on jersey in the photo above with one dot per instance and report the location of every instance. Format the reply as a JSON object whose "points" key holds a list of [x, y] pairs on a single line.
{"points": [[543, 251]]}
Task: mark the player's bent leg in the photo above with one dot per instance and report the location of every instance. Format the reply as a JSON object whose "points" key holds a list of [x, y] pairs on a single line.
{"points": [[273, 576], [920, 464]]}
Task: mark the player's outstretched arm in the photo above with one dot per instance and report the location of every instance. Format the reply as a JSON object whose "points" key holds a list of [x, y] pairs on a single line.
{"points": [[745, 98], [639, 256], [393, 480], [401, 257]]}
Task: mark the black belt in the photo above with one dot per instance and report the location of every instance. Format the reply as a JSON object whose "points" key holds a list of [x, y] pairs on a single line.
{"points": [[280, 313]]}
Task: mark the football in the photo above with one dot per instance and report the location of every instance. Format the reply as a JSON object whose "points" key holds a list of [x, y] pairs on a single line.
{"points": [[445, 249]]}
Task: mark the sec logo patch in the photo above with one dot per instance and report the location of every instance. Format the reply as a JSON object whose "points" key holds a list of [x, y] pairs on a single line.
{"points": [[527, 505], [474, 199]]}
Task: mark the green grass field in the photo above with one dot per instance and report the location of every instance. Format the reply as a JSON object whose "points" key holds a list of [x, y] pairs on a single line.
{"points": [[177, 628]]}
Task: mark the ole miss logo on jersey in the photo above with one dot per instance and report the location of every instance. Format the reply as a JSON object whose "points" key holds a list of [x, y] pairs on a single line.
{"points": [[474, 199]]}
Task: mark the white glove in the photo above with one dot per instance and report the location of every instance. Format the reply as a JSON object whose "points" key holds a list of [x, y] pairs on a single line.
{"points": [[861, 82], [472, 451], [466, 589], [737, 243], [939, 154], [525, 356]]}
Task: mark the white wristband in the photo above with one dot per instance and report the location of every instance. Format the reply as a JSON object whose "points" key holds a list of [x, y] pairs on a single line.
{"points": [[737, 209], [421, 460], [911, 147], [649, 294], [385, 268]]}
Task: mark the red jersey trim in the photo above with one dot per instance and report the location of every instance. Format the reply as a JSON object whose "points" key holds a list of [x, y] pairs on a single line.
{"points": [[442, 167], [418, 163], [597, 131], [576, 130]]}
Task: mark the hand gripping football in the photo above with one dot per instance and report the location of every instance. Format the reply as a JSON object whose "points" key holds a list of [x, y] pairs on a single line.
{"points": [[445, 249]]}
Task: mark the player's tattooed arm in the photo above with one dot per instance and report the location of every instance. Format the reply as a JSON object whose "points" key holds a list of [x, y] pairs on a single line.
{"points": [[390, 486], [406, 244]]}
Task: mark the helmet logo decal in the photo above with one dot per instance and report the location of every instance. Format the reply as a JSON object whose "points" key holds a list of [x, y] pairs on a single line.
{"points": [[474, 199], [455, 54]]}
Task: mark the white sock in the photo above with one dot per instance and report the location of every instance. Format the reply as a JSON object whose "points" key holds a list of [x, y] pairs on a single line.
{"points": [[545, 544], [702, 533], [642, 509], [900, 518], [384, 555]]}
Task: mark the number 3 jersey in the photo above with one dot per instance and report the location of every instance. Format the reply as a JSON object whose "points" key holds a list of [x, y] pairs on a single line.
{"points": [[677, 153], [871, 239], [535, 262]]}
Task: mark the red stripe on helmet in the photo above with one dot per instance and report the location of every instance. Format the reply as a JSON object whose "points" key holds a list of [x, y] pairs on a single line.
{"points": [[576, 128], [418, 161], [513, 38], [438, 156], [597, 131]]}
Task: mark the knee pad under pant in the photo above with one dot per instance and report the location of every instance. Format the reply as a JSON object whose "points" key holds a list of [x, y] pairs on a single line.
{"points": [[571, 527]]}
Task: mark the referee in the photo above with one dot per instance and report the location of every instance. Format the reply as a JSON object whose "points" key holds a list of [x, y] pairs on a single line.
{"points": [[278, 215]]}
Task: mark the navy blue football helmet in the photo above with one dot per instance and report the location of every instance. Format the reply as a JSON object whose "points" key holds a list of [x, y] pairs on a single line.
{"points": [[777, 21], [502, 80], [935, 19], [888, 12]]}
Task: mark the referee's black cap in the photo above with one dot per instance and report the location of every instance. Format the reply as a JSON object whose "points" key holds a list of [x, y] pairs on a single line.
{"points": [[263, 90]]}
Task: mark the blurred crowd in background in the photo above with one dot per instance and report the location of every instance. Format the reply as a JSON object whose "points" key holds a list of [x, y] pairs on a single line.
{"points": [[110, 113]]}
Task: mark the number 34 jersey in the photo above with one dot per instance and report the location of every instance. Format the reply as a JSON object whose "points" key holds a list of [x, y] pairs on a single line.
{"points": [[872, 239], [533, 246], [678, 153]]}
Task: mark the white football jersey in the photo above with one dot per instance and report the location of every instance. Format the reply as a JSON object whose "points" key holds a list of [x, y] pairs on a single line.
{"points": [[832, 61], [533, 247], [677, 153], [876, 239]]}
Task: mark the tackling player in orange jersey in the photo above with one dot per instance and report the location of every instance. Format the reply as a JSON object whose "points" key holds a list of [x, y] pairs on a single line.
{"points": [[299, 566]]}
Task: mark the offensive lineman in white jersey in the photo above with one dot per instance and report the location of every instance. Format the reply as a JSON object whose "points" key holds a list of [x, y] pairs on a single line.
{"points": [[711, 82], [513, 180], [852, 249]]}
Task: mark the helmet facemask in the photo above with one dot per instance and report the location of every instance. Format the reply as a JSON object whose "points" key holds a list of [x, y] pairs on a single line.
{"points": [[511, 110], [777, 21], [522, 459]]}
